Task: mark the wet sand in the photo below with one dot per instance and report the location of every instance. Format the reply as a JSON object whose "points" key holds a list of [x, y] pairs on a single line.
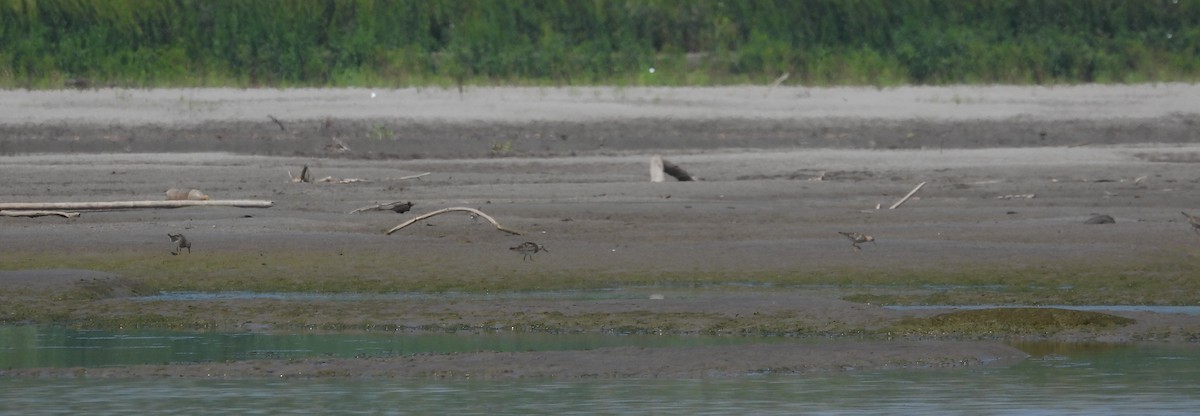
{"points": [[1011, 175]]}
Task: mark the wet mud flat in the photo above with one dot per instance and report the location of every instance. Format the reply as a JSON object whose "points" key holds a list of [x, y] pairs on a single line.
{"points": [[752, 249]]}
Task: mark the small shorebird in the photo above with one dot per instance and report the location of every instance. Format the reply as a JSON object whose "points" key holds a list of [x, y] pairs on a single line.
{"points": [[857, 238], [181, 243], [1194, 221], [527, 249]]}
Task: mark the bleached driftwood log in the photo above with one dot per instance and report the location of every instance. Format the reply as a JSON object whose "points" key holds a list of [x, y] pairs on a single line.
{"points": [[452, 209], [906, 197], [13, 213], [656, 169], [244, 203]]}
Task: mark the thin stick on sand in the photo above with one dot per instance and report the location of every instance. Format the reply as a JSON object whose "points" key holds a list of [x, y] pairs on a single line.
{"points": [[244, 203], [906, 197], [417, 176], [12, 213], [445, 210], [778, 81]]}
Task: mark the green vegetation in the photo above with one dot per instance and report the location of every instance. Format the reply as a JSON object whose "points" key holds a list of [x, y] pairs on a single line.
{"points": [[1154, 281], [1008, 321], [285, 43]]}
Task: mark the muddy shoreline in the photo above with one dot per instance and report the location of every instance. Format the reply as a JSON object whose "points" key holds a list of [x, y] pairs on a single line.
{"points": [[1011, 176]]}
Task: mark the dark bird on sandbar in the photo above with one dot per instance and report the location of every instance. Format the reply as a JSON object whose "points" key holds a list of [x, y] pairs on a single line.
{"points": [[528, 248], [1194, 221], [181, 243], [857, 238]]}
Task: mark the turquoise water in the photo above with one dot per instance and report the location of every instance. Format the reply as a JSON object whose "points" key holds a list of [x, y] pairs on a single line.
{"points": [[1059, 379]]}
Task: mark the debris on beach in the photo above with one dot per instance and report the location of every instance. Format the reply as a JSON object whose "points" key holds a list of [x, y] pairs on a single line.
{"points": [[660, 167], [1100, 219], [397, 206], [473, 211], [176, 194]]}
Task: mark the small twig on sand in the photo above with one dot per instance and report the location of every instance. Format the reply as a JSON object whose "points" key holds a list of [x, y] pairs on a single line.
{"points": [[277, 122], [445, 210], [398, 207], [330, 179], [12, 213], [910, 194], [417, 176], [778, 81], [244, 203]]}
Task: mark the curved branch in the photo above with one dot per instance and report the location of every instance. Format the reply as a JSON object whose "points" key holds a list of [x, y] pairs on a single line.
{"points": [[445, 210]]}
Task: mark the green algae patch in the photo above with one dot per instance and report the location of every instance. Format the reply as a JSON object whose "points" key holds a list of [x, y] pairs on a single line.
{"points": [[1155, 280], [1009, 321]]}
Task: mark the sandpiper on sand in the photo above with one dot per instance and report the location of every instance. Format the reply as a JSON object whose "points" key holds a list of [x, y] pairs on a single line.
{"points": [[1194, 221], [857, 238], [181, 243], [527, 249]]}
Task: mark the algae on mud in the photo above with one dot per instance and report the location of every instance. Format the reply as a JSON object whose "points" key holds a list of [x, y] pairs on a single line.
{"points": [[1005, 322], [1154, 280], [112, 303]]}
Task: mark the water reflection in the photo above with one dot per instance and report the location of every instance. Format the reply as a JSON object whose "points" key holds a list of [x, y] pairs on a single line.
{"points": [[1059, 379], [32, 346], [1091, 381], [1185, 310]]}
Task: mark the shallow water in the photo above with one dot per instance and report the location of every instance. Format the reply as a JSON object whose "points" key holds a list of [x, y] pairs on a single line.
{"points": [[1059, 380], [1184, 310], [33, 346], [353, 296]]}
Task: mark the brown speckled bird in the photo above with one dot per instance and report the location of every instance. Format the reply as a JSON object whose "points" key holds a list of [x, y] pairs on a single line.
{"points": [[1194, 221], [528, 248], [857, 238], [181, 243]]}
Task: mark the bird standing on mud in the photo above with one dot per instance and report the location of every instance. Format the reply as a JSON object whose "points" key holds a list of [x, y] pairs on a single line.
{"points": [[181, 243], [1194, 221], [527, 249], [857, 238]]}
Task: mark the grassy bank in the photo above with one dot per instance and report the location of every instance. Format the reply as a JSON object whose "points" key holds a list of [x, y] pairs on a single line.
{"points": [[394, 43], [1156, 281]]}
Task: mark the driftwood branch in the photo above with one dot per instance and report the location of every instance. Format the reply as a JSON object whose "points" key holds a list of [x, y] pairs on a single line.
{"points": [[445, 210], [330, 179], [677, 172], [12, 213], [398, 207], [906, 197], [244, 203], [305, 176], [656, 169], [660, 166]]}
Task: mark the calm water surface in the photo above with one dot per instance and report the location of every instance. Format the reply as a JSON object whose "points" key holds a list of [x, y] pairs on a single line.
{"points": [[1059, 379], [1152, 381]]}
